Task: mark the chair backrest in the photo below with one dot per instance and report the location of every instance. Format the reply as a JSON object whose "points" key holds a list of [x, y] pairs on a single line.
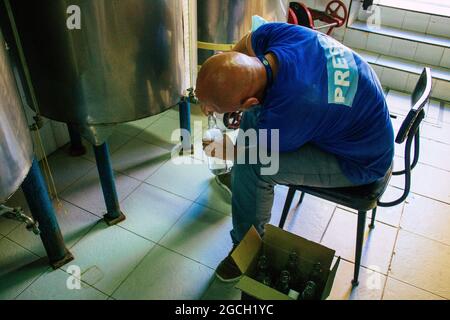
{"points": [[419, 99], [410, 132]]}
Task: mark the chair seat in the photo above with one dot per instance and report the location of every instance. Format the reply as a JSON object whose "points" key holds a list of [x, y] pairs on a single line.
{"points": [[361, 198]]}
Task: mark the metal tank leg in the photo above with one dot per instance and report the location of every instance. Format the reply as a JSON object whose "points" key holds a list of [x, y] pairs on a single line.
{"points": [[76, 143], [42, 210], [104, 166], [185, 125]]}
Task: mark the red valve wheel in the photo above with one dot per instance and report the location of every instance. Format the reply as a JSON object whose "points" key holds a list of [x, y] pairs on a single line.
{"points": [[303, 14], [292, 17], [338, 10], [232, 120]]}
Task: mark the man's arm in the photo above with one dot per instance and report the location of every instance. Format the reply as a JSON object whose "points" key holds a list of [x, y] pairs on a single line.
{"points": [[245, 46]]}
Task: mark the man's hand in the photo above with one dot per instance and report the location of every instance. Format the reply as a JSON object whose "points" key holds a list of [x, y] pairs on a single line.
{"points": [[223, 149]]}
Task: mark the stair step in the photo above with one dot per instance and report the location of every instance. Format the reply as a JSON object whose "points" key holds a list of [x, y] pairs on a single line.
{"points": [[402, 75], [403, 64], [402, 34]]}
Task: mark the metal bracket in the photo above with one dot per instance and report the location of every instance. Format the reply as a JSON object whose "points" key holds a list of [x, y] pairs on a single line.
{"points": [[38, 123], [191, 96], [17, 214]]}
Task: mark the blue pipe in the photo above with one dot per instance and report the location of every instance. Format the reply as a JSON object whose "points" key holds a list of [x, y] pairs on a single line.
{"points": [[41, 207], [76, 143], [185, 124], [104, 166]]}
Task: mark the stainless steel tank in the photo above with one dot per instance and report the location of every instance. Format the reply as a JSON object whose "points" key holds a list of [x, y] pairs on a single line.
{"points": [[16, 148], [126, 62], [225, 22]]}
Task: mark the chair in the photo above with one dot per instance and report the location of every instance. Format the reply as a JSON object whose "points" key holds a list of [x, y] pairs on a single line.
{"points": [[367, 198]]}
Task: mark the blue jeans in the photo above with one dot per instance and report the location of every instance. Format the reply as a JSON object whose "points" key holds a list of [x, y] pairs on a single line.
{"points": [[253, 193]]}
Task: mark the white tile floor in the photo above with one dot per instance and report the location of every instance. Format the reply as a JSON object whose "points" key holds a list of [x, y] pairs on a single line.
{"points": [[178, 223]]}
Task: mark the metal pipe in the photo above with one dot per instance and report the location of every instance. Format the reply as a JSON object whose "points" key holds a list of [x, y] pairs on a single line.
{"points": [[185, 125], [104, 166], [42, 210], [362, 215], [326, 26], [77, 148]]}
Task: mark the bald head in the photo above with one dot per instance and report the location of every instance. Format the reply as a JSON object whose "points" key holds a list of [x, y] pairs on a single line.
{"points": [[227, 81]]}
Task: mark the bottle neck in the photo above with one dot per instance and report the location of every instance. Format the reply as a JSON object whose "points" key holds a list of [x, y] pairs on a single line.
{"points": [[212, 121]]}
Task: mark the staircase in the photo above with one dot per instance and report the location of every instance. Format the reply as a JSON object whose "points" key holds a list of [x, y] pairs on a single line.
{"points": [[401, 46]]}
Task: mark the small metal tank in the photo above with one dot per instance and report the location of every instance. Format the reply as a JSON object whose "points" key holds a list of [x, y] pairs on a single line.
{"points": [[16, 148], [222, 23], [126, 62]]}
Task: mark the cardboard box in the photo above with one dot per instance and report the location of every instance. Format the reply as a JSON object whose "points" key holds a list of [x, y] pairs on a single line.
{"points": [[277, 244]]}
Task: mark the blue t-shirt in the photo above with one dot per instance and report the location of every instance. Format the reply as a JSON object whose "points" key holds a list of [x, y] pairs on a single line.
{"points": [[326, 95]]}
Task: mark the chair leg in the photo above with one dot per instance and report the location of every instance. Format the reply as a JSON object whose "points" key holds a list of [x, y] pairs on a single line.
{"points": [[374, 217], [362, 215], [287, 207], [302, 197]]}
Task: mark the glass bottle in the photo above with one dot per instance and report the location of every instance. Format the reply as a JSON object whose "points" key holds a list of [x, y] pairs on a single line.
{"points": [[283, 284], [309, 293], [262, 273], [292, 267], [316, 274], [217, 166]]}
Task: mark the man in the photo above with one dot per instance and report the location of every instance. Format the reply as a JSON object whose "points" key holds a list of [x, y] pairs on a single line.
{"points": [[327, 103]]}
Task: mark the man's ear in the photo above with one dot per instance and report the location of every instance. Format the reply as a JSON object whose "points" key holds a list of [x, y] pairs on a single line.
{"points": [[250, 103]]}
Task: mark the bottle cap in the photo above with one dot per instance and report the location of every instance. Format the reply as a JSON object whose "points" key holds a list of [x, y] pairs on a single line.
{"points": [[294, 294], [285, 274]]}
